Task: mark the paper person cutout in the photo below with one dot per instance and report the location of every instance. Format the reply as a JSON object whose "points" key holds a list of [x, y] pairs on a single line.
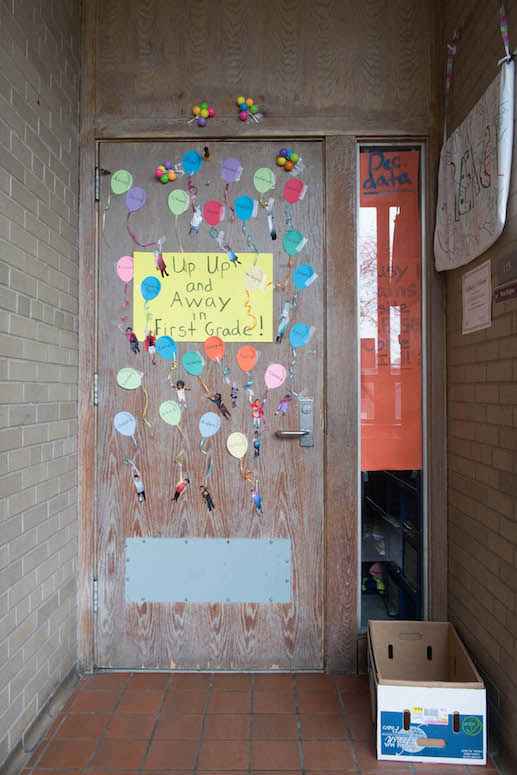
{"points": [[170, 412], [237, 444], [264, 180], [294, 190], [245, 207], [150, 287], [125, 269], [166, 348], [214, 348], [191, 161], [293, 242], [246, 357], [275, 375], [209, 424], [213, 212], [300, 335], [178, 201], [135, 199], [193, 363], [125, 424], [129, 379], [121, 181], [303, 276], [231, 170]]}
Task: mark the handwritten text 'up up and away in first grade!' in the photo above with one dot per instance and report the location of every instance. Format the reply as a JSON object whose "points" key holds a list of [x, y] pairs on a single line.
{"points": [[205, 295]]}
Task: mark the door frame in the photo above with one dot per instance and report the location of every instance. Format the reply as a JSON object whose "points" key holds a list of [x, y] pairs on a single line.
{"points": [[341, 502]]}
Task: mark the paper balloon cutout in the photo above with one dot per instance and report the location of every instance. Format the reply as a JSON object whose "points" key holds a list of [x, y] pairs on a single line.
{"points": [[170, 412], [264, 180], [300, 334], [135, 199], [150, 287], [294, 190], [121, 181], [191, 161], [166, 348], [237, 444], [275, 375], [193, 363], [214, 348], [125, 269], [129, 379], [209, 424], [246, 357], [178, 201], [255, 279], [124, 423], [213, 212], [293, 242], [231, 170], [245, 207], [303, 276]]}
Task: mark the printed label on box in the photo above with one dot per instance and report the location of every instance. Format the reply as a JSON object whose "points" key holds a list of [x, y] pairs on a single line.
{"points": [[434, 739], [429, 715]]}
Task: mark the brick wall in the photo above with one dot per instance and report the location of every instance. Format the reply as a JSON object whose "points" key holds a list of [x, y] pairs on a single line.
{"points": [[482, 421], [39, 75]]}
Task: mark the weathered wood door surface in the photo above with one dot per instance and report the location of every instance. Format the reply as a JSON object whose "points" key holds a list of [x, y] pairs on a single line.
{"points": [[215, 634]]}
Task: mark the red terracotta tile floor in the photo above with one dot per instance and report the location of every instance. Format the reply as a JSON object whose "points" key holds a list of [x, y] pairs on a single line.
{"points": [[163, 724]]}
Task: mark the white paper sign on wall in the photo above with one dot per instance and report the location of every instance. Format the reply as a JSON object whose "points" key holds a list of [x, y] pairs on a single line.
{"points": [[474, 176]]}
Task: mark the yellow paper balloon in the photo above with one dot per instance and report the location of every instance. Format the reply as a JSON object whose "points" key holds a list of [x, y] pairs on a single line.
{"points": [[237, 444]]}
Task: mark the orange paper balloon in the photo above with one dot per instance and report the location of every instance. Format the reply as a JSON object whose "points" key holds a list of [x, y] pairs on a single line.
{"points": [[214, 348], [246, 357]]}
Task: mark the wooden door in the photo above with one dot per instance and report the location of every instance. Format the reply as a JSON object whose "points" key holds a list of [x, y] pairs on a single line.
{"points": [[165, 629]]}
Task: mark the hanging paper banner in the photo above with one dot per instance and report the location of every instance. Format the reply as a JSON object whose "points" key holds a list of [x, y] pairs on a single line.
{"points": [[209, 424], [474, 176], [129, 379], [237, 444], [203, 296], [121, 182]]}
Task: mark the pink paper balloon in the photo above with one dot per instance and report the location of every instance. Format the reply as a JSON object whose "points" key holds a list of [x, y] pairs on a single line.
{"points": [[125, 268], [275, 375]]}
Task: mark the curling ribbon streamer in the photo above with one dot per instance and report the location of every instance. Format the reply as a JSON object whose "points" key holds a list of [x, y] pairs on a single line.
{"points": [[246, 474], [451, 53], [153, 244], [228, 203], [146, 405], [249, 310]]}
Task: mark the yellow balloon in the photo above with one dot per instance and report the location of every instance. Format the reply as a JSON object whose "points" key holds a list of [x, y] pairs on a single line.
{"points": [[237, 444]]}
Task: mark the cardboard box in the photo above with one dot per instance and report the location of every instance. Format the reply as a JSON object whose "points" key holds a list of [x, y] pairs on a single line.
{"points": [[428, 700]]}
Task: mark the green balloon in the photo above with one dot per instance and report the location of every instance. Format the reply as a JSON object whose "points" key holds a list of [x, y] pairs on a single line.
{"points": [[170, 412], [129, 379], [121, 181], [264, 180], [178, 201]]}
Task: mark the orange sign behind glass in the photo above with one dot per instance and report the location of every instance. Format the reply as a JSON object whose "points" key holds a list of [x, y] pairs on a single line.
{"points": [[390, 303]]}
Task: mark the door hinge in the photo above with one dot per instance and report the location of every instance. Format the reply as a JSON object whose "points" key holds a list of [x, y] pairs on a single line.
{"points": [[95, 596], [98, 172], [95, 389]]}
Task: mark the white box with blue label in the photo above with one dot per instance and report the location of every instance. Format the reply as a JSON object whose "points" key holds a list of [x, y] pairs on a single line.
{"points": [[428, 699]]}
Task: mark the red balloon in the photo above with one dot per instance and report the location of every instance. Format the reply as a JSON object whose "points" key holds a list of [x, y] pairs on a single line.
{"points": [[213, 212], [214, 348]]}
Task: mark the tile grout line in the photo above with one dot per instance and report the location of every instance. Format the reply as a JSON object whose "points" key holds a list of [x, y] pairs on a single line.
{"points": [[349, 739], [101, 737], [166, 693], [204, 722], [299, 733]]}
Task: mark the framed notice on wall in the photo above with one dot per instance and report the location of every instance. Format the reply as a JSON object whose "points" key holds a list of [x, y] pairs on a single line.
{"points": [[476, 298]]}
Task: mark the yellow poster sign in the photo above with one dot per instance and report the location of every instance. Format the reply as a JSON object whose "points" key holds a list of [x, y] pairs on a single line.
{"points": [[204, 295]]}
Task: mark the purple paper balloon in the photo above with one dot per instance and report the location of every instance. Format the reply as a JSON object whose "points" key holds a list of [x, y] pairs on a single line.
{"points": [[231, 170], [135, 199]]}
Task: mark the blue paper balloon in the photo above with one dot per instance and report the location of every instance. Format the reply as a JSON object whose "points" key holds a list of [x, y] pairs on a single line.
{"points": [[300, 334], [166, 347], [245, 207], [191, 162], [209, 424], [303, 276], [150, 288], [193, 363]]}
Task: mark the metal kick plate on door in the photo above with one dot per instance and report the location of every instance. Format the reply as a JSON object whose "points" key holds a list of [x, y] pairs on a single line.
{"points": [[306, 409]]}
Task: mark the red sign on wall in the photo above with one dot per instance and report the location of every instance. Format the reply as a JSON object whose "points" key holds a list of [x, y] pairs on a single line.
{"points": [[390, 309]]}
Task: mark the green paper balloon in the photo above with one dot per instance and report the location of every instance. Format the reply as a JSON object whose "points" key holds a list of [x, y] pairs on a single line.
{"points": [[264, 180], [129, 379], [121, 181], [170, 412], [178, 201]]}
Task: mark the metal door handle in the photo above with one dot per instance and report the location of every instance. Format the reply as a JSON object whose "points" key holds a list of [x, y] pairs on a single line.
{"points": [[291, 434]]}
